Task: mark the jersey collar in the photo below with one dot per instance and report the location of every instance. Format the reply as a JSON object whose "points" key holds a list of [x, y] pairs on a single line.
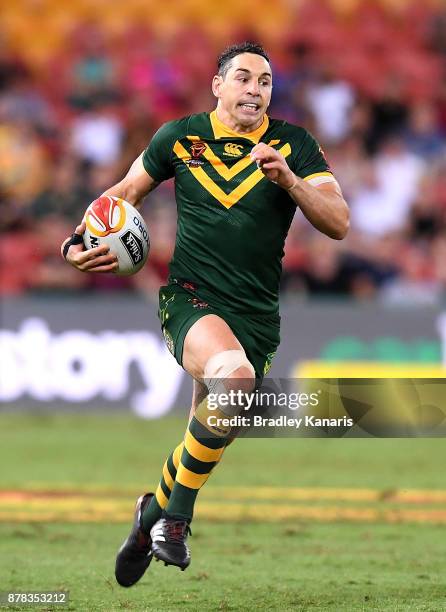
{"points": [[223, 131]]}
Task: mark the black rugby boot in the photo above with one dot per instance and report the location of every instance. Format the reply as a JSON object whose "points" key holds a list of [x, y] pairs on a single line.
{"points": [[169, 541], [135, 554]]}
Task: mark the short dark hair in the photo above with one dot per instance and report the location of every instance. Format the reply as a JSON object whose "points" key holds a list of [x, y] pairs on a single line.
{"points": [[225, 58]]}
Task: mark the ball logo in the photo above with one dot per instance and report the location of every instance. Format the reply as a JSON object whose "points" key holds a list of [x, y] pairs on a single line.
{"points": [[141, 228], [105, 216], [133, 246]]}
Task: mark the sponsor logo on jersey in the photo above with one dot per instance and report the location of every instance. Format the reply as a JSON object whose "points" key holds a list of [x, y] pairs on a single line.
{"points": [[133, 245], [233, 150], [194, 163]]}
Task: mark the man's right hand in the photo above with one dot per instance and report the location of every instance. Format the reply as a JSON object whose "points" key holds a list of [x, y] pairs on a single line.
{"points": [[98, 259]]}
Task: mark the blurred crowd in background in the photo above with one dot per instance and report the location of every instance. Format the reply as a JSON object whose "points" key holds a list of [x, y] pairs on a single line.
{"points": [[83, 88]]}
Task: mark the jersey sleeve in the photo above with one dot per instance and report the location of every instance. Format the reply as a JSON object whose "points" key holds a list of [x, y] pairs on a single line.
{"points": [[310, 161], [157, 158]]}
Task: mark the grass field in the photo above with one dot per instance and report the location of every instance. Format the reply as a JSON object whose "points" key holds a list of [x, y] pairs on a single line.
{"points": [[282, 525]]}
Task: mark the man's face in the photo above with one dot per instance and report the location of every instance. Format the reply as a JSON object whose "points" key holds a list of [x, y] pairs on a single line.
{"points": [[244, 93]]}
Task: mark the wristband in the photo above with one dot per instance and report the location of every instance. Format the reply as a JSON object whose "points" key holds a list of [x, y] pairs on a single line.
{"points": [[74, 239]]}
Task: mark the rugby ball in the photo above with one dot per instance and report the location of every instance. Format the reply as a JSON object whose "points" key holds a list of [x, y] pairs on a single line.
{"points": [[115, 222]]}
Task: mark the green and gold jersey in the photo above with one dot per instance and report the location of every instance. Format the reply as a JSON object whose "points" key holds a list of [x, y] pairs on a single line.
{"points": [[232, 221]]}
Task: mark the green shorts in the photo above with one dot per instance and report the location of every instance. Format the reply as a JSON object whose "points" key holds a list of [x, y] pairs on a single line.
{"points": [[180, 308]]}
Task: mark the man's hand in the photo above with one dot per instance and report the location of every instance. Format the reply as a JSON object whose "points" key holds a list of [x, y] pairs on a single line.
{"points": [[273, 165], [323, 206], [98, 259]]}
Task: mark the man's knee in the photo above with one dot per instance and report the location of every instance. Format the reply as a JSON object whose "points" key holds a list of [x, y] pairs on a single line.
{"points": [[227, 363], [229, 371]]}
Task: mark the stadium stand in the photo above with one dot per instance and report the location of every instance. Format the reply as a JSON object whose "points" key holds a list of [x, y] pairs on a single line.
{"points": [[84, 85]]}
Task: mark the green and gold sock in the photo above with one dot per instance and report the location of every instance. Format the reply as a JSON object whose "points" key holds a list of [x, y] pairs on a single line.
{"points": [[159, 501], [203, 449]]}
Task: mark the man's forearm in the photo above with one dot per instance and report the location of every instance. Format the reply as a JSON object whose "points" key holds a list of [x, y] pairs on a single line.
{"points": [[135, 185], [126, 192], [327, 211]]}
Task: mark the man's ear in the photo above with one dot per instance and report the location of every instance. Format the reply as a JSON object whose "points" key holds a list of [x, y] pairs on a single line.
{"points": [[216, 85]]}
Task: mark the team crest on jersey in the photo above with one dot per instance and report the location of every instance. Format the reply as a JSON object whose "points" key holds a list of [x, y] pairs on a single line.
{"points": [[197, 149], [233, 150]]}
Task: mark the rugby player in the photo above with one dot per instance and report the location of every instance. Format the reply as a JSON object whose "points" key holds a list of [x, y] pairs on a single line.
{"points": [[239, 177]]}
